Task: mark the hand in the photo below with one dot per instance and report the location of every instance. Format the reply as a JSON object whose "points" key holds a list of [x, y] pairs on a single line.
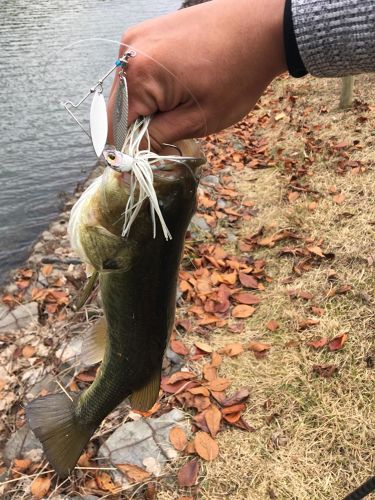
{"points": [[201, 69]]}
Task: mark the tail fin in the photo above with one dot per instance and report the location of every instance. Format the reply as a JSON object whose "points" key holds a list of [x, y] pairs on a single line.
{"points": [[52, 420]]}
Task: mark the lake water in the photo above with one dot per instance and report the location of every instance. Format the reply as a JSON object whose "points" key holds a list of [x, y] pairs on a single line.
{"points": [[43, 153]]}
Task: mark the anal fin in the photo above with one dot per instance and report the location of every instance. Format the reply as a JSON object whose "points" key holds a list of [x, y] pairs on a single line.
{"points": [[52, 420], [143, 399], [94, 342]]}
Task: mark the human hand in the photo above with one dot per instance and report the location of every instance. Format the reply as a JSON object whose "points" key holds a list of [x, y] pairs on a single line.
{"points": [[201, 69]]}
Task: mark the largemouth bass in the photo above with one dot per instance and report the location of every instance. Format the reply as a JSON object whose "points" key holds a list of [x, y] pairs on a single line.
{"points": [[138, 279]]}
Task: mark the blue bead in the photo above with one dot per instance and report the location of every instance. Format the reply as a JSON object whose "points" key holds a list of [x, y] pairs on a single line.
{"points": [[118, 63]]}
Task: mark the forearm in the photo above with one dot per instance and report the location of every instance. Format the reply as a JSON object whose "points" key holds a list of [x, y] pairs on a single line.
{"points": [[335, 37]]}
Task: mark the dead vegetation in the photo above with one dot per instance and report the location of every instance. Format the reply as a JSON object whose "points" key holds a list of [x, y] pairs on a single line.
{"points": [[277, 299]]}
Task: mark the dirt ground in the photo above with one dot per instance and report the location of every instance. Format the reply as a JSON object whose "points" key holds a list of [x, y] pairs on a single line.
{"points": [[301, 176]]}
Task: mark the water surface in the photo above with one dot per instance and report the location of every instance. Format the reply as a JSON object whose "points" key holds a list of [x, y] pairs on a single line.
{"points": [[43, 152]]}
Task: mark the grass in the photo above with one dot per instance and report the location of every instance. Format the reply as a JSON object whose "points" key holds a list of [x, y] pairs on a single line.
{"points": [[315, 436]]}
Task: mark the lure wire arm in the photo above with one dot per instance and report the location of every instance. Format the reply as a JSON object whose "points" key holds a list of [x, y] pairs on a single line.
{"points": [[121, 62]]}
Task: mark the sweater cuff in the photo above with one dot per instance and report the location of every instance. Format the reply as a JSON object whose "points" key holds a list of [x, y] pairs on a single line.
{"points": [[294, 61]]}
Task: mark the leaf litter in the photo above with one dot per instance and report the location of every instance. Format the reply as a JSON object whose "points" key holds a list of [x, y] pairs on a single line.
{"points": [[224, 269]]}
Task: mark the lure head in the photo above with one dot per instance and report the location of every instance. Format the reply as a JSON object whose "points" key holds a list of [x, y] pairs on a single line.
{"points": [[118, 180], [120, 162]]}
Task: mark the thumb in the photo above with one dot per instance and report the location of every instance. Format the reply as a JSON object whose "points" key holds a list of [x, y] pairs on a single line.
{"points": [[171, 126]]}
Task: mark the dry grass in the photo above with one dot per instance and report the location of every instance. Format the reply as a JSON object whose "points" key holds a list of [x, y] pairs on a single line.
{"points": [[318, 442], [314, 436]]}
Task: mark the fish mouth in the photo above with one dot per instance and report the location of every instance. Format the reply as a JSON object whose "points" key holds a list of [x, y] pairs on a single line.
{"points": [[176, 170]]}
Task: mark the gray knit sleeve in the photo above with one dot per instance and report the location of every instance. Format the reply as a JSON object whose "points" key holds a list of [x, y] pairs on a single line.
{"points": [[335, 37]]}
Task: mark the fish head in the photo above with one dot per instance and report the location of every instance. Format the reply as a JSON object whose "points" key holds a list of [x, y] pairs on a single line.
{"points": [[100, 220]]}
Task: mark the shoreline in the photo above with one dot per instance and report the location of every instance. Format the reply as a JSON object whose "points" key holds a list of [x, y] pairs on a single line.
{"points": [[39, 251], [19, 305]]}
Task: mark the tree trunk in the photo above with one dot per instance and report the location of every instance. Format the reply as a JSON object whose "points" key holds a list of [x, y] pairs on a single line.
{"points": [[346, 98]]}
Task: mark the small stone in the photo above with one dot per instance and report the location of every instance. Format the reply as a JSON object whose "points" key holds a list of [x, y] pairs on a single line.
{"points": [[4, 310], [47, 236], [174, 357], [20, 317], [11, 288], [199, 223], [22, 441], [221, 203], [38, 247], [212, 180], [35, 455], [71, 350], [48, 383], [58, 228], [145, 439]]}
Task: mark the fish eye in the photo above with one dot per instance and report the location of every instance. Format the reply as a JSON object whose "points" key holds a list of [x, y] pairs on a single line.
{"points": [[112, 156]]}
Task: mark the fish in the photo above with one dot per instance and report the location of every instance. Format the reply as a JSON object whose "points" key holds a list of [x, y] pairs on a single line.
{"points": [[137, 277]]}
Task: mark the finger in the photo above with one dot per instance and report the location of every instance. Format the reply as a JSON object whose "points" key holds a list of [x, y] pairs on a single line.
{"points": [[180, 123]]}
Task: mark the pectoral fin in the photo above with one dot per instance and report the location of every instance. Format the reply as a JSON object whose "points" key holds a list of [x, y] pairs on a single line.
{"points": [[94, 342], [143, 399], [89, 287]]}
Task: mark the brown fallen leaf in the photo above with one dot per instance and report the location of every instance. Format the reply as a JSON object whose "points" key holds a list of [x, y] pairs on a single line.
{"points": [[339, 198], [233, 409], [178, 438], [238, 397], [206, 447], [216, 359], [179, 348], [209, 372], [105, 482], [242, 311], [28, 351], [219, 384], [200, 390], [213, 419], [317, 310], [337, 343], [258, 346], [200, 402], [293, 196], [232, 418], [316, 251], [325, 371], [203, 347], [317, 344], [47, 269], [150, 493], [248, 281], [134, 473], [272, 325], [232, 349], [246, 298], [20, 465], [84, 460], [177, 386], [188, 474], [40, 486], [178, 376], [86, 376], [306, 323]]}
